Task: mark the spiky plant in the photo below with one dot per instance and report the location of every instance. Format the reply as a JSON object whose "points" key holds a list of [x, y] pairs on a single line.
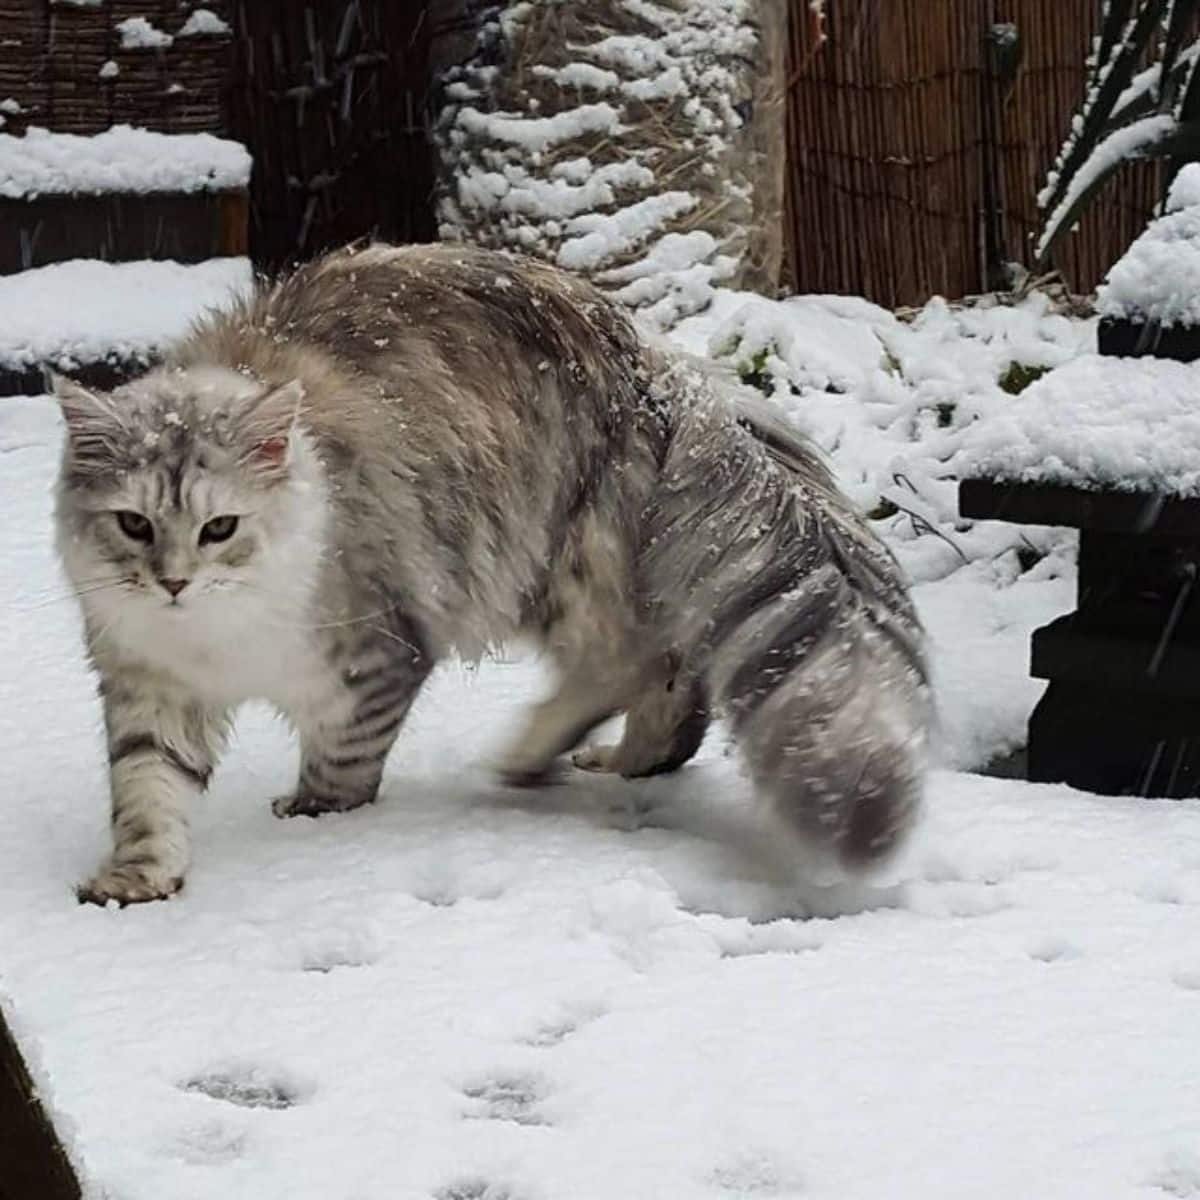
{"points": [[1131, 110]]}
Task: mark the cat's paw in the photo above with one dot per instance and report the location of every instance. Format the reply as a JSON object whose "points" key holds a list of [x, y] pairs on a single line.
{"points": [[595, 758], [530, 775], [299, 804], [130, 883]]}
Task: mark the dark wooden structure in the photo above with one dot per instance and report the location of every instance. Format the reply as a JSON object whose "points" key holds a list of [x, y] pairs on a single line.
{"points": [[121, 227], [330, 98], [1121, 714], [33, 1164]]}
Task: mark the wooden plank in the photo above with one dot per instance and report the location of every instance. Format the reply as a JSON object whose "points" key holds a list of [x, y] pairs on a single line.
{"points": [[1128, 339], [1109, 512], [1065, 650], [1114, 742], [121, 227], [33, 1163], [30, 381]]}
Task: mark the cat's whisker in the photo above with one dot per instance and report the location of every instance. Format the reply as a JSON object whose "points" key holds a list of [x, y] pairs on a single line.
{"points": [[73, 594]]}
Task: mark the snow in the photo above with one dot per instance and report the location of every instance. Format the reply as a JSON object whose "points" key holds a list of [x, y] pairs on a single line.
{"points": [[1132, 424], [121, 159], [203, 22], [88, 311], [1185, 187], [467, 993], [596, 238], [1122, 143], [138, 34], [537, 133], [1158, 277]]}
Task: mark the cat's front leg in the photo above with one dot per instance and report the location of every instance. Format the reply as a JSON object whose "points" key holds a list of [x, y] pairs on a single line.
{"points": [[161, 751], [348, 728]]}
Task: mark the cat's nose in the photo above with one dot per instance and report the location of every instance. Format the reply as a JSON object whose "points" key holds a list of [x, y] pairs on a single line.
{"points": [[174, 586]]}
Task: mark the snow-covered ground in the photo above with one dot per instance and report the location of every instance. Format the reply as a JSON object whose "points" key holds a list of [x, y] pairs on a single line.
{"points": [[613, 990]]}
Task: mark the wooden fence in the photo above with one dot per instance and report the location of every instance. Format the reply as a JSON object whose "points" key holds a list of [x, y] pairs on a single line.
{"points": [[329, 96], [916, 158]]}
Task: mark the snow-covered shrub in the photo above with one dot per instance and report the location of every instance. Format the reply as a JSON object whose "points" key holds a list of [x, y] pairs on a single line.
{"points": [[1131, 111], [616, 139]]}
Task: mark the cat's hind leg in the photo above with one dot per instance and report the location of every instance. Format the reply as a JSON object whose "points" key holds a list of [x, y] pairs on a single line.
{"points": [[663, 729], [555, 726]]}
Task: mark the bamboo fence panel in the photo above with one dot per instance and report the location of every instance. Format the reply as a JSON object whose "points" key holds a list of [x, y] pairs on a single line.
{"points": [[889, 145], [884, 185], [329, 95]]}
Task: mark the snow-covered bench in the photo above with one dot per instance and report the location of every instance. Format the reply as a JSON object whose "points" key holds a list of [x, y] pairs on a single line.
{"points": [[110, 245], [121, 195], [1110, 446], [98, 321]]}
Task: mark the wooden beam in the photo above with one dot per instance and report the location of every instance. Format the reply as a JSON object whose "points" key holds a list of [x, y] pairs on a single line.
{"points": [[33, 1163], [122, 227]]}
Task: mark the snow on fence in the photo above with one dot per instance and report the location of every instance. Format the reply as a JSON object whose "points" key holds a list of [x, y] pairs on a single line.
{"points": [[896, 170]]}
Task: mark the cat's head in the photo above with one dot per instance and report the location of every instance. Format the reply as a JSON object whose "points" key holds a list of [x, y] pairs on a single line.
{"points": [[183, 490]]}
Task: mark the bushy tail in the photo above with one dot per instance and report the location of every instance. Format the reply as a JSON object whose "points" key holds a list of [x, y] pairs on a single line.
{"points": [[811, 643]]}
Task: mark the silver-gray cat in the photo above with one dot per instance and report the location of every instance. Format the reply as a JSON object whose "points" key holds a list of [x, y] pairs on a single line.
{"points": [[397, 454]]}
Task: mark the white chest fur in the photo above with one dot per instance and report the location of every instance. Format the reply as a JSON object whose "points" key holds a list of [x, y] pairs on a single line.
{"points": [[223, 648]]}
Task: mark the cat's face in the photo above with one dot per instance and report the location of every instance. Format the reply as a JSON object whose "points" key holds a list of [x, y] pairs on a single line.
{"points": [[178, 494]]}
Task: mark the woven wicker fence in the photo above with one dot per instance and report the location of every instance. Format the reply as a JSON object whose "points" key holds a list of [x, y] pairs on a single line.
{"points": [[66, 66], [915, 157]]}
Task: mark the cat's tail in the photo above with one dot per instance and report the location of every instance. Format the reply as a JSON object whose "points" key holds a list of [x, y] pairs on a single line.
{"points": [[812, 646]]}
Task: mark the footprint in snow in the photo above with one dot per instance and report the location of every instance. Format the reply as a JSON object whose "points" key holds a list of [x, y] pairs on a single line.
{"points": [[1054, 949], [507, 1098], [756, 1173], [474, 1189], [1179, 1175], [211, 1144], [1188, 978], [245, 1087], [567, 1024], [321, 956]]}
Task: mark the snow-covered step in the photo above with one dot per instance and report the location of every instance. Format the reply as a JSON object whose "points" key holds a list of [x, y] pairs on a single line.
{"points": [[121, 195], [101, 321]]}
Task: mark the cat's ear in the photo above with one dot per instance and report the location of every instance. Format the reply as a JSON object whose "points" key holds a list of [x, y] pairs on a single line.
{"points": [[80, 407], [270, 429], [91, 419]]}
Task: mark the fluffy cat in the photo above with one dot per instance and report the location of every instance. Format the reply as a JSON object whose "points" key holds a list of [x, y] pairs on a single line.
{"points": [[396, 454]]}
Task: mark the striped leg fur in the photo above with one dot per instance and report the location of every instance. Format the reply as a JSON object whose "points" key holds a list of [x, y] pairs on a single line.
{"points": [[161, 752], [345, 737]]}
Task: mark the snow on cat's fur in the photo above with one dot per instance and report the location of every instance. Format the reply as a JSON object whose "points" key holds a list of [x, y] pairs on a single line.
{"points": [[394, 455]]}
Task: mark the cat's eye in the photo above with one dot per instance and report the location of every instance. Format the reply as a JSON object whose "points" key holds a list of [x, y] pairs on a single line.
{"points": [[219, 529], [134, 525]]}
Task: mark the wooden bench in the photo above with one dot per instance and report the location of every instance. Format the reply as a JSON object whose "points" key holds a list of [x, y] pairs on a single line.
{"points": [[1121, 714]]}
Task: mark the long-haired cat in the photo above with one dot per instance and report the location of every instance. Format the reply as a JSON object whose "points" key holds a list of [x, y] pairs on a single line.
{"points": [[397, 454]]}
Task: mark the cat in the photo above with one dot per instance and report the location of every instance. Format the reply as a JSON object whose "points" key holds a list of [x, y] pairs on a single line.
{"points": [[395, 454]]}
